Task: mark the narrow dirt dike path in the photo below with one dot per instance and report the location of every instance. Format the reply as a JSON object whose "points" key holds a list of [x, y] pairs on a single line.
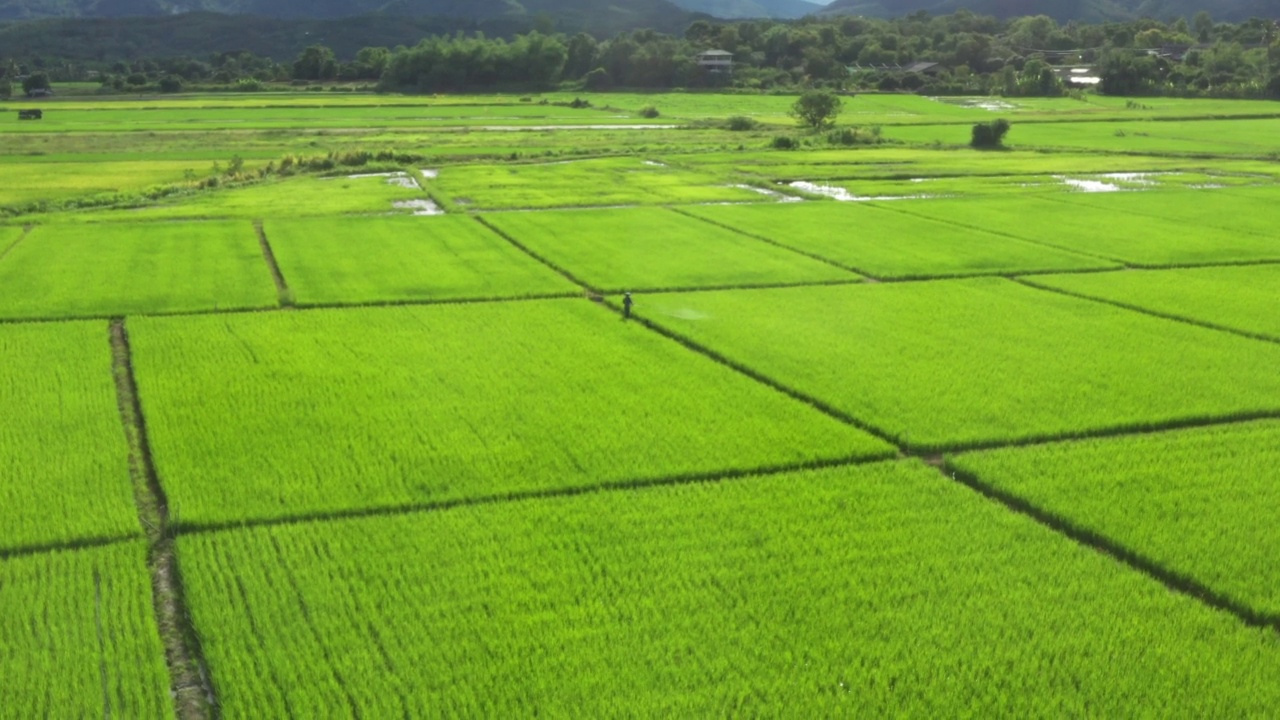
{"points": [[525, 249], [713, 476], [1135, 560], [282, 288], [191, 687], [789, 248], [1031, 283], [26, 230]]}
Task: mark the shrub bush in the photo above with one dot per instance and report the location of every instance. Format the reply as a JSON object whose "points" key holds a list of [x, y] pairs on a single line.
{"points": [[990, 134], [847, 136]]}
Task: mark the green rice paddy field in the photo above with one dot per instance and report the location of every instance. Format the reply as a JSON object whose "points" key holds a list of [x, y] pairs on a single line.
{"points": [[898, 429]]}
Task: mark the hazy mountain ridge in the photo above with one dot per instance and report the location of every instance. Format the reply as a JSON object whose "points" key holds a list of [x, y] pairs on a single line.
{"points": [[570, 14], [658, 14], [735, 9], [609, 16], [266, 8], [1064, 10], [89, 29], [201, 34]]}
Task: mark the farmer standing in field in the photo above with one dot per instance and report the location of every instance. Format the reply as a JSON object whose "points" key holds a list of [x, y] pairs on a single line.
{"points": [[626, 305]]}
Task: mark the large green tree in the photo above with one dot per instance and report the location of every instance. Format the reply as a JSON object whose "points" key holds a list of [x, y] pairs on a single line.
{"points": [[371, 62], [34, 82], [316, 63], [583, 51], [817, 109]]}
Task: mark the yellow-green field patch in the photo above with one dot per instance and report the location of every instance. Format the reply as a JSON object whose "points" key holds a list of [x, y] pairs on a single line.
{"points": [[883, 590], [426, 405], [654, 248], [103, 270], [1244, 298], [959, 363], [1201, 503], [380, 259], [79, 636], [885, 243], [66, 471]]}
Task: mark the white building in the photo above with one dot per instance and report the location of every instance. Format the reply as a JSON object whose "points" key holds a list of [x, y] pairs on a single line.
{"points": [[716, 61]]}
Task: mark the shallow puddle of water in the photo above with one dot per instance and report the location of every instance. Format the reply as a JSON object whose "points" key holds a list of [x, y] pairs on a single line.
{"points": [[837, 193], [419, 207], [774, 194], [1136, 178], [1089, 186], [558, 208], [1130, 182], [404, 181], [982, 103], [430, 174], [842, 195], [993, 106], [523, 128], [374, 175], [1089, 183]]}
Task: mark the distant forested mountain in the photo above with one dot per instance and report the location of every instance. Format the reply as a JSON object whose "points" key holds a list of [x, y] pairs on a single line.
{"points": [[1064, 10], [265, 8], [97, 29], [566, 15], [631, 14], [203, 34], [957, 54], [733, 9]]}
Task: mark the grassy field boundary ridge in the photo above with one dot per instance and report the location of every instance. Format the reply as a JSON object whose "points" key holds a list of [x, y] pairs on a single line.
{"points": [[282, 287], [1181, 583], [26, 230], [192, 686], [1031, 282]]}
